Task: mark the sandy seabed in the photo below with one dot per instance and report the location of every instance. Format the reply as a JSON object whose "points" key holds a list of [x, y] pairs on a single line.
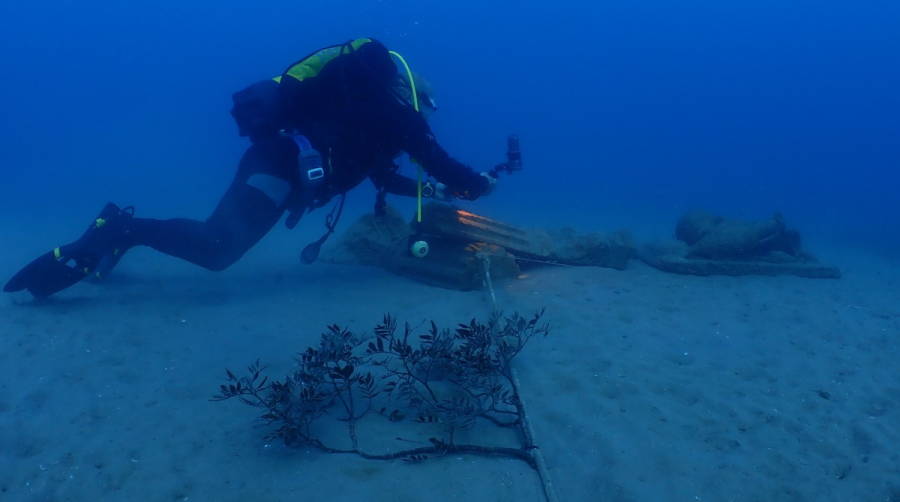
{"points": [[651, 386]]}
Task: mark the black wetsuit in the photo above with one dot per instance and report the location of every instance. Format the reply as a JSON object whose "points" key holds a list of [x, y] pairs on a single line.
{"points": [[351, 116]]}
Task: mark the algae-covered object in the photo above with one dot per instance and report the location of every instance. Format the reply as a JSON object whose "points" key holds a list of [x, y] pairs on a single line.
{"points": [[611, 250], [564, 246], [463, 247], [714, 237], [383, 241], [371, 240], [457, 265], [712, 245]]}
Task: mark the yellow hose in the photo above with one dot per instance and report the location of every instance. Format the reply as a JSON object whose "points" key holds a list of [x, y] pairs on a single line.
{"points": [[415, 100]]}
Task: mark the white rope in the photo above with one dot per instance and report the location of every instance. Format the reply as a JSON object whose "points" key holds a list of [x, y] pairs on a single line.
{"points": [[543, 473], [543, 262], [486, 263]]}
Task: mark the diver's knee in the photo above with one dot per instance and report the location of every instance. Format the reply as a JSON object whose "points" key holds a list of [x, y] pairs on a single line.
{"points": [[221, 261], [274, 188], [216, 266]]}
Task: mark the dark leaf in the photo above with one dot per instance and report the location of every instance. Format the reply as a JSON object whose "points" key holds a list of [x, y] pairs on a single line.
{"points": [[415, 459]]}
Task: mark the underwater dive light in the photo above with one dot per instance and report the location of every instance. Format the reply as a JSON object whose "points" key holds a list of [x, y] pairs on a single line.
{"points": [[419, 249], [513, 157]]}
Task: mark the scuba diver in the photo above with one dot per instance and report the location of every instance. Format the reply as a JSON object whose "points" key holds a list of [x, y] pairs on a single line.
{"points": [[331, 120]]}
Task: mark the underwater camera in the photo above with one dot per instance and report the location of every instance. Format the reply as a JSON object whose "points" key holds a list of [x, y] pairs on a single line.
{"points": [[513, 157], [418, 243]]}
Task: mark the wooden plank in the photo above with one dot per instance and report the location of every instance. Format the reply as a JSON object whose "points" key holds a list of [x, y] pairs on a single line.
{"points": [[689, 266], [564, 246], [449, 221]]}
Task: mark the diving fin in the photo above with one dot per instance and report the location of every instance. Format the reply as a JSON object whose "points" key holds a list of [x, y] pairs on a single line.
{"points": [[106, 265], [310, 253], [96, 251], [45, 275]]}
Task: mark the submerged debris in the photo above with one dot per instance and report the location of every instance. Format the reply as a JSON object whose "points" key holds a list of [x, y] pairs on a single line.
{"points": [[709, 244], [453, 380], [460, 240]]}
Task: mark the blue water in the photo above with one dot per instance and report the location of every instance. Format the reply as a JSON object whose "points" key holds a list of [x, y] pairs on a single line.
{"points": [[630, 113], [743, 108]]}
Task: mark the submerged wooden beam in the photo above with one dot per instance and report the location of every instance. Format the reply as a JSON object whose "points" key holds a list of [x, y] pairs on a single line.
{"points": [[455, 265], [562, 246], [691, 266], [454, 223]]}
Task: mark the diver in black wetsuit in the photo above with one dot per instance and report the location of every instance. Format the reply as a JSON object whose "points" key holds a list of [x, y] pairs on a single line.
{"points": [[326, 124]]}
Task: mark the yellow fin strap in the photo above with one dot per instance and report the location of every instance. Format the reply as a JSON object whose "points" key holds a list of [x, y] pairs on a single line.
{"points": [[415, 100], [57, 254]]}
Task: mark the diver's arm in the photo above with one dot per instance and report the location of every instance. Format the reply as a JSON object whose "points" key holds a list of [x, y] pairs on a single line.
{"points": [[392, 182], [421, 145]]}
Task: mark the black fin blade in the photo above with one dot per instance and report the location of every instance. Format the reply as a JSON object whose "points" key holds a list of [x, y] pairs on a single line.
{"points": [[44, 276], [311, 252]]}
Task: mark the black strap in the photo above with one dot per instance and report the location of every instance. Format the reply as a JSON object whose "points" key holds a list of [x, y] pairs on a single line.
{"points": [[311, 252]]}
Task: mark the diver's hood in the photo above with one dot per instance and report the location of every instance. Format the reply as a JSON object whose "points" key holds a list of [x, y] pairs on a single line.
{"points": [[424, 93]]}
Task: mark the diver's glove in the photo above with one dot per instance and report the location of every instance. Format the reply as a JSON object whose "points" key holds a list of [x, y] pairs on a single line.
{"points": [[443, 193], [485, 187], [491, 183], [437, 191]]}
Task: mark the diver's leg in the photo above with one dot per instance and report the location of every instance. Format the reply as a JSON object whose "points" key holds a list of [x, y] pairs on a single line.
{"points": [[244, 215], [248, 210], [252, 205]]}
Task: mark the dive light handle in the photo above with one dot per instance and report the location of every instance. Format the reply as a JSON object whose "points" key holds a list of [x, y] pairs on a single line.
{"points": [[513, 157], [513, 153]]}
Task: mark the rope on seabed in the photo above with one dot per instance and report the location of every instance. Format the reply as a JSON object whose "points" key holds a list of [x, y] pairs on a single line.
{"points": [[486, 263], [543, 262], [543, 473]]}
